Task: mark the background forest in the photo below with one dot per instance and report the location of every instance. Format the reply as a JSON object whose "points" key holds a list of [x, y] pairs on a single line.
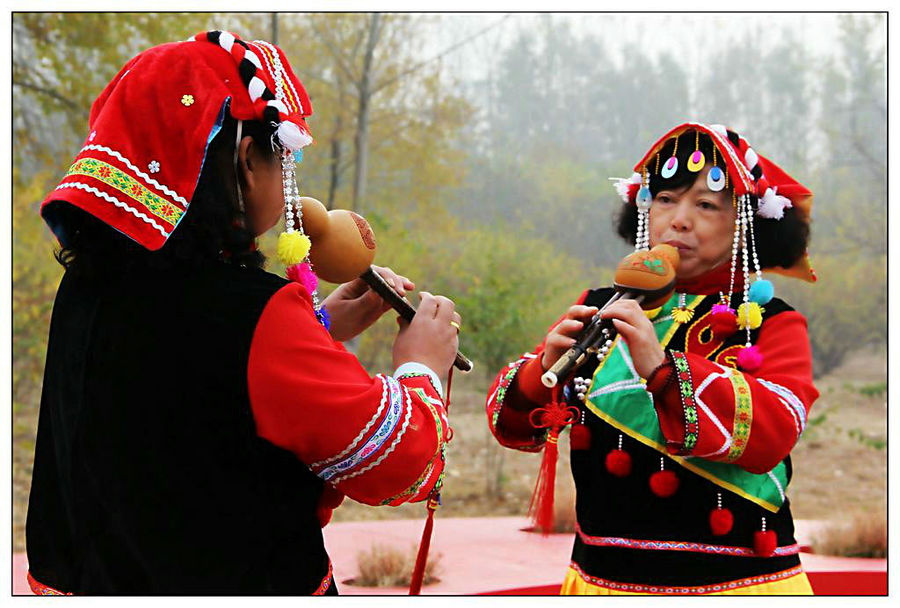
{"points": [[479, 147]]}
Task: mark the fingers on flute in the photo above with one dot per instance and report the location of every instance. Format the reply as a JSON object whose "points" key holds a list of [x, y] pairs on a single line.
{"points": [[580, 311], [428, 305], [627, 310], [568, 327]]}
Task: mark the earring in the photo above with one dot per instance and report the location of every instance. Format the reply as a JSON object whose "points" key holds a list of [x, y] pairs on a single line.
{"points": [[643, 202]]}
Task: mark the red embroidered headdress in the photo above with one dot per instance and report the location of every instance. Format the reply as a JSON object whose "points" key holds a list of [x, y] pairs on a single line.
{"points": [[151, 126], [749, 173]]}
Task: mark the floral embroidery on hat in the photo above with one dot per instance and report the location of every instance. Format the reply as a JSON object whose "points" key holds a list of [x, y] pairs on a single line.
{"points": [[153, 166], [187, 99]]}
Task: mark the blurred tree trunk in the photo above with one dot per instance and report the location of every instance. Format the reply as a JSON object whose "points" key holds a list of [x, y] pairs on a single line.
{"points": [[361, 139]]}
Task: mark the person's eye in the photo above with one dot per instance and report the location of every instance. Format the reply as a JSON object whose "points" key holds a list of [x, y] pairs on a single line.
{"points": [[708, 205], [664, 198]]}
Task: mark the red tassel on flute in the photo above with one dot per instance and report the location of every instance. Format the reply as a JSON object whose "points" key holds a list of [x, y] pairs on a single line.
{"points": [[554, 417], [418, 574], [541, 508]]}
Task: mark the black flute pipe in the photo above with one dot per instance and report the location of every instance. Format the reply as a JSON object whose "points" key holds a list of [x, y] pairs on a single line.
{"points": [[590, 338], [405, 309]]}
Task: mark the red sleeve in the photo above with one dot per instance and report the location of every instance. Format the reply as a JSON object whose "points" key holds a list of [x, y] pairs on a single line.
{"points": [[752, 420], [378, 440], [516, 391]]}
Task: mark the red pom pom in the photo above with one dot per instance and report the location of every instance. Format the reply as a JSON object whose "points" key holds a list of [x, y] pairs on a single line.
{"points": [[580, 437], [664, 483], [618, 462], [723, 323], [749, 358], [720, 521], [764, 542]]}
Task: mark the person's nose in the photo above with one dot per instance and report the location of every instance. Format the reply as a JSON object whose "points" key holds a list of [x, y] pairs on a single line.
{"points": [[681, 219]]}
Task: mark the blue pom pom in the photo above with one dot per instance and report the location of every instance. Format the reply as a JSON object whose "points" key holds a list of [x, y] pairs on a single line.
{"points": [[298, 156], [762, 291]]}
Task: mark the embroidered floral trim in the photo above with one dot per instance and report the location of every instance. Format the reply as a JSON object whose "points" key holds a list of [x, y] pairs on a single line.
{"points": [[385, 430], [39, 588], [500, 394], [161, 187], [362, 433], [419, 483], [127, 185], [672, 590], [676, 545], [111, 199], [326, 582], [396, 441], [688, 404], [743, 417]]}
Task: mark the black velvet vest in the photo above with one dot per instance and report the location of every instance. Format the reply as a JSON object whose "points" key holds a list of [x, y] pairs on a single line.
{"points": [[611, 506], [148, 474]]}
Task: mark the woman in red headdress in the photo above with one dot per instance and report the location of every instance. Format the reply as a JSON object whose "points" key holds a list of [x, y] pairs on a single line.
{"points": [[200, 418], [680, 451]]}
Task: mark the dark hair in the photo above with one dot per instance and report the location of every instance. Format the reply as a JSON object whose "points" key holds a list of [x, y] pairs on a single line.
{"points": [[779, 242], [211, 230]]}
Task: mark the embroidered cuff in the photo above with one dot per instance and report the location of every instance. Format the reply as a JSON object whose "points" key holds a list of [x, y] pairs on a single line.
{"points": [[415, 368], [688, 403]]}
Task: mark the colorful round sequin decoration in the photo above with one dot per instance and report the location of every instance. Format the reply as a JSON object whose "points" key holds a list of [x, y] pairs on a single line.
{"points": [[696, 161], [669, 168], [715, 179]]}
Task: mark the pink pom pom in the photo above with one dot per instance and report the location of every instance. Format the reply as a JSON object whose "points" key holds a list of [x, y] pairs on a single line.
{"points": [[749, 359], [303, 274], [721, 308]]}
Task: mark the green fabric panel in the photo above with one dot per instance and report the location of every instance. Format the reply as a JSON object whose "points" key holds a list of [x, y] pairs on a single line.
{"points": [[630, 409]]}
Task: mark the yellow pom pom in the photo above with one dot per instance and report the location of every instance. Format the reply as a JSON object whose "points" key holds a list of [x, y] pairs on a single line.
{"points": [[652, 314], [292, 247], [749, 315]]}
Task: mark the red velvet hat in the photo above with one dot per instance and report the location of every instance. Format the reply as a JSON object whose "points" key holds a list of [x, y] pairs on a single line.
{"points": [[151, 126], [749, 173]]}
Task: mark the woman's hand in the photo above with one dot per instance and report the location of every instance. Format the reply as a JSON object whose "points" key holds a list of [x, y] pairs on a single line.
{"points": [[562, 336], [637, 331], [354, 307], [432, 337]]}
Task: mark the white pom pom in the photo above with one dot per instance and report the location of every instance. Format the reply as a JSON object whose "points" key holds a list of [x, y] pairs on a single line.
{"points": [[253, 59], [622, 184], [751, 158], [226, 41], [291, 137], [256, 88], [772, 206]]}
